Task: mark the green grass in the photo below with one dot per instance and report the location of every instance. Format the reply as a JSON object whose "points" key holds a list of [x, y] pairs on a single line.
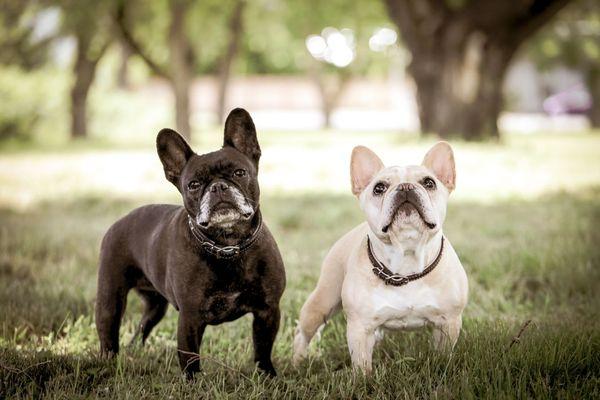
{"points": [[530, 255]]}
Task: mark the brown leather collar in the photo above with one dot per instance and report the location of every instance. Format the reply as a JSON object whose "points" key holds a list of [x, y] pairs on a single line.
{"points": [[393, 279]]}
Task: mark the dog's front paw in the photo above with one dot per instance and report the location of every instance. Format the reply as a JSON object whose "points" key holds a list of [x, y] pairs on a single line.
{"points": [[107, 354], [190, 376], [300, 348], [267, 368]]}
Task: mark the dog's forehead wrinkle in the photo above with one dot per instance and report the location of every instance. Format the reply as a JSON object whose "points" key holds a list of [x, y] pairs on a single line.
{"points": [[221, 159], [401, 174]]}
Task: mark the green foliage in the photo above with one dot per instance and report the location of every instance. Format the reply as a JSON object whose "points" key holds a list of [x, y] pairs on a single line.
{"points": [[18, 44], [206, 24], [28, 99], [271, 46], [86, 16], [274, 30], [572, 38]]}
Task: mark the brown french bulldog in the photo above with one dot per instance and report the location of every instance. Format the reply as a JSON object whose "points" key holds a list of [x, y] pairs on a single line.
{"points": [[213, 259]]}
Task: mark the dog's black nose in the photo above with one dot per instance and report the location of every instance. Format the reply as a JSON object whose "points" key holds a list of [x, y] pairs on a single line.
{"points": [[219, 186], [406, 187]]}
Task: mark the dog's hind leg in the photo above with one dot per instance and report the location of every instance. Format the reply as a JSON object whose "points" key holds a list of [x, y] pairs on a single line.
{"points": [[321, 305], [115, 277], [154, 310], [111, 301]]}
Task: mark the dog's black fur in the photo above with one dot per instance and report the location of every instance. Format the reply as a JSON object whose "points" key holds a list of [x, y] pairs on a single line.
{"points": [[153, 251]]}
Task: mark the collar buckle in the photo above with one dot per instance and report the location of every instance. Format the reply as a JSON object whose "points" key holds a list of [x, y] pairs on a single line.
{"points": [[228, 251], [224, 252], [221, 252], [396, 280]]}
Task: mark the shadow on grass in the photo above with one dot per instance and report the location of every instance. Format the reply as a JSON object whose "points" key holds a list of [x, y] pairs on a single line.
{"points": [[31, 374], [548, 361]]}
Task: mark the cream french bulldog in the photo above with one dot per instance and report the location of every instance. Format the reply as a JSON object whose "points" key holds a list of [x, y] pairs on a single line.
{"points": [[396, 270]]}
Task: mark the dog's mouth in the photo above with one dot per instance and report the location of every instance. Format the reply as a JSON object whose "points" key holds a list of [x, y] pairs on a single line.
{"points": [[407, 207], [223, 206], [225, 214]]}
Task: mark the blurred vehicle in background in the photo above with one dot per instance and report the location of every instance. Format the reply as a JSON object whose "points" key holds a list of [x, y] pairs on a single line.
{"points": [[574, 100]]}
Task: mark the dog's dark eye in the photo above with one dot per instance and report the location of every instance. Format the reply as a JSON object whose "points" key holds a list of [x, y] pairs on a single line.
{"points": [[379, 189], [193, 185], [239, 173], [428, 183]]}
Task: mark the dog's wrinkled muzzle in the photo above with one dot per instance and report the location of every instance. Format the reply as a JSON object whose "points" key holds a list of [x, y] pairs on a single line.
{"points": [[223, 202], [404, 199]]}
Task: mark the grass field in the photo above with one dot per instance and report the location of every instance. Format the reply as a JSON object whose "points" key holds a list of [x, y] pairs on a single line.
{"points": [[525, 221]]}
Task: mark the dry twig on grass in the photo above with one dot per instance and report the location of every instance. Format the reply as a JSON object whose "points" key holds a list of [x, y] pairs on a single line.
{"points": [[517, 338]]}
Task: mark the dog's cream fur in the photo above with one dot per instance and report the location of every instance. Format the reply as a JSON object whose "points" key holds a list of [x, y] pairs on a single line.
{"points": [[407, 247]]}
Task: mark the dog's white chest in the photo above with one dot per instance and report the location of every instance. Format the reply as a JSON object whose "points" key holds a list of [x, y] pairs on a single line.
{"points": [[406, 307]]}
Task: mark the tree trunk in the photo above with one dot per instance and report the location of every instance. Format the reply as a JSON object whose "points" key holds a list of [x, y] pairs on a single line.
{"points": [[123, 70], [459, 85], [236, 27], [326, 110], [331, 87], [181, 61], [180, 69], [593, 83], [460, 56], [84, 71]]}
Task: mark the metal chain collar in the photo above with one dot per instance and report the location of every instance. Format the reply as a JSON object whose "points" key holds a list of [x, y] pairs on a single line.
{"points": [[223, 252]]}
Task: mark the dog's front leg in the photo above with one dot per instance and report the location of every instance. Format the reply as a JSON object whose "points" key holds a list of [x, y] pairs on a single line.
{"points": [[446, 334], [264, 330], [190, 330], [361, 340]]}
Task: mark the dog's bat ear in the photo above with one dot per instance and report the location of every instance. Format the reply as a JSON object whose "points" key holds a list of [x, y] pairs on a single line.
{"points": [[240, 134], [174, 153], [364, 164], [440, 160]]}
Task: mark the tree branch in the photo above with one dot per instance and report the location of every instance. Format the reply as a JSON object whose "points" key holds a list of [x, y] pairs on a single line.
{"points": [[421, 22], [135, 46], [401, 14], [537, 15], [235, 31], [513, 19], [101, 52], [236, 27]]}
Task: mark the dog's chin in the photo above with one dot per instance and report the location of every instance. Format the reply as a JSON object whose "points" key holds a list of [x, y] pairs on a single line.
{"points": [[408, 217], [225, 218]]}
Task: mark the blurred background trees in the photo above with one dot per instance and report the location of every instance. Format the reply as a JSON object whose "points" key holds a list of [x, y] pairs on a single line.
{"points": [[178, 67], [191, 30], [573, 41], [22, 51], [443, 67], [88, 22], [21, 43], [460, 53]]}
